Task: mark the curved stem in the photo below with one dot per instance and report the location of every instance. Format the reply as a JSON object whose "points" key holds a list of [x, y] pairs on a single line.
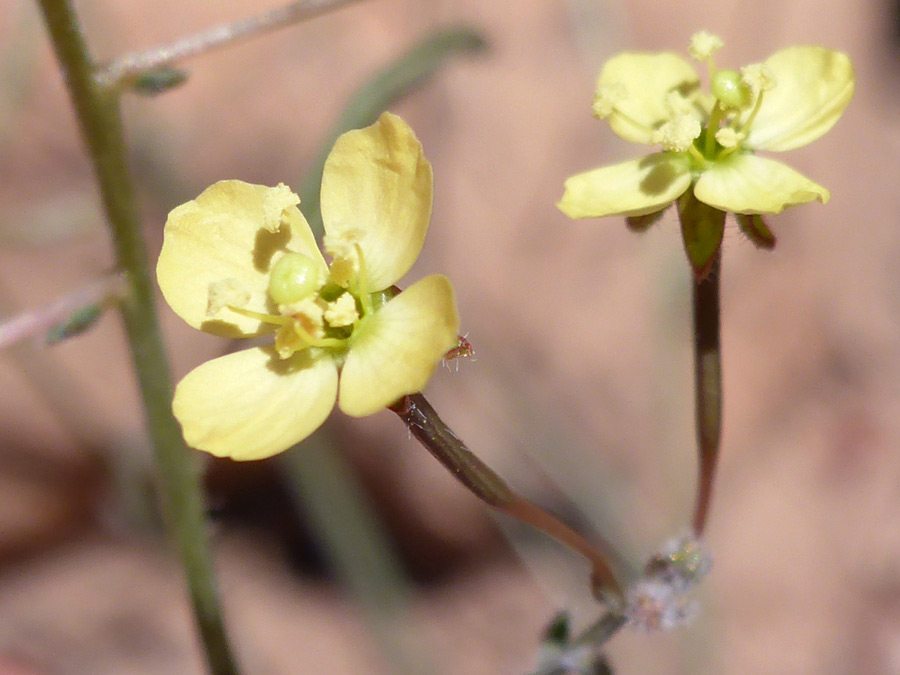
{"points": [[423, 422], [97, 111], [707, 385]]}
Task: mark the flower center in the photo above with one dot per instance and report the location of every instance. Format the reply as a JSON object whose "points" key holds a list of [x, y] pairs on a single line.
{"points": [[310, 311], [737, 97]]}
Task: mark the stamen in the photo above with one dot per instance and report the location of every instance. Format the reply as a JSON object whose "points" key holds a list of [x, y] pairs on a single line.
{"points": [[605, 99], [362, 284], [728, 137], [703, 45], [758, 77], [678, 134], [294, 337], [273, 319], [342, 312], [276, 200], [745, 127]]}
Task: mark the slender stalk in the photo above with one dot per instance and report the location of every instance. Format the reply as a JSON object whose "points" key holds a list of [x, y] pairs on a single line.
{"points": [[423, 422], [357, 546], [602, 630], [707, 386], [98, 115], [31, 322], [128, 67]]}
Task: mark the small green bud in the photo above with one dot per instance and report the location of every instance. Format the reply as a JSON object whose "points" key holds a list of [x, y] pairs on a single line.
{"points": [[293, 278], [158, 81], [727, 86]]}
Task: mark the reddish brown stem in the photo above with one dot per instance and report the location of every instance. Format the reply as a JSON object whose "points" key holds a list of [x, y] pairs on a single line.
{"points": [[707, 386], [425, 424]]}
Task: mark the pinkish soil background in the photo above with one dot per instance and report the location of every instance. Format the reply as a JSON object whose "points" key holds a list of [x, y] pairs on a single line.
{"points": [[581, 330]]}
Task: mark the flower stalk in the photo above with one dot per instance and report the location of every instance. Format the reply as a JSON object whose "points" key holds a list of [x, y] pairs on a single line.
{"points": [[707, 385], [445, 446], [98, 114]]}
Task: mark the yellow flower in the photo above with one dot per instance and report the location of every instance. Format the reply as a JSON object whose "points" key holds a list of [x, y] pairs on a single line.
{"points": [[241, 261], [708, 140]]}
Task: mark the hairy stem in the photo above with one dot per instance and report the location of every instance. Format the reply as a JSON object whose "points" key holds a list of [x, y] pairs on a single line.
{"points": [[131, 66], [98, 115], [423, 422], [707, 386]]}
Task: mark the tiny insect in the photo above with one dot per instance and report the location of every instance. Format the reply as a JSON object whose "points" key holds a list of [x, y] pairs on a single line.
{"points": [[462, 350]]}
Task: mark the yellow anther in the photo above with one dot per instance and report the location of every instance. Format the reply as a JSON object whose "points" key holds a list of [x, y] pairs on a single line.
{"points": [[758, 77], [342, 312], [276, 200], [728, 137], [703, 45], [678, 134], [606, 98]]}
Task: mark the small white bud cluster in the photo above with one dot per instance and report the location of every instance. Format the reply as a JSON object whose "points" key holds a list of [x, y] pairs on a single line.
{"points": [[659, 600]]}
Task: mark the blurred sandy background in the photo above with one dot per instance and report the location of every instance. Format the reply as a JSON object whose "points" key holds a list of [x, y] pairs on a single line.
{"points": [[580, 394]]}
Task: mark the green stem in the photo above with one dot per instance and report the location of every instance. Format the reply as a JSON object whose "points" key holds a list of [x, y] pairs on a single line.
{"points": [[98, 114], [602, 630], [337, 510], [707, 385], [423, 422]]}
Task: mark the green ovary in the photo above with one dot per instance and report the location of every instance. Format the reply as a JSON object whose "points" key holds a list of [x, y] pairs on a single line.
{"points": [[294, 277]]}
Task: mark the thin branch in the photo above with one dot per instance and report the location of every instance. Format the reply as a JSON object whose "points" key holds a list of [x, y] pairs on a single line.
{"points": [[423, 422], [35, 321], [128, 67]]}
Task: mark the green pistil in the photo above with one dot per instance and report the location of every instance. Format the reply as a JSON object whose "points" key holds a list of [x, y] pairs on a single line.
{"points": [[715, 118], [698, 160]]}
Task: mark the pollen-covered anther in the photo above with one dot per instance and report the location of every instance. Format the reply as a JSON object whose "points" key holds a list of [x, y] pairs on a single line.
{"points": [[342, 312], [606, 98], [307, 325], [309, 311], [678, 133], [758, 77], [224, 293], [703, 45], [343, 249], [728, 137], [276, 200]]}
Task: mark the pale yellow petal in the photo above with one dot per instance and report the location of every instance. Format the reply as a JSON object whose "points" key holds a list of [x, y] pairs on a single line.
{"points": [[377, 190], [813, 86], [750, 184], [653, 85], [223, 236], [252, 404], [632, 188], [397, 348]]}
